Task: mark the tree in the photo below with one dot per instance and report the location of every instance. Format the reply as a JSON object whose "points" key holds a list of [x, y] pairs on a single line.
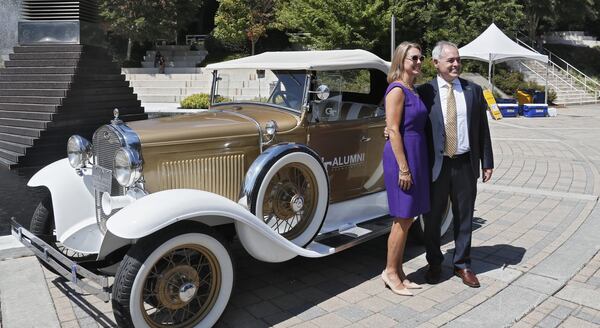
{"points": [[335, 24], [240, 21], [536, 12], [147, 20], [456, 21]]}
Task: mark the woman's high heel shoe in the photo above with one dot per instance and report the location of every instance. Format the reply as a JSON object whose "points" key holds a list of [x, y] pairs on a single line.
{"points": [[411, 285], [400, 291]]}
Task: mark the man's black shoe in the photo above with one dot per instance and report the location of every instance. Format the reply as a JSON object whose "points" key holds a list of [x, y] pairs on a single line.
{"points": [[433, 274]]}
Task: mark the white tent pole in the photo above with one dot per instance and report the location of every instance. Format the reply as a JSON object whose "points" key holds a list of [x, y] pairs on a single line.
{"points": [[490, 72], [546, 86]]}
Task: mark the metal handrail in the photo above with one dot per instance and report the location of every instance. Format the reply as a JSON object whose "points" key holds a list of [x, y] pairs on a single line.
{"points": [[572, 76], [551, 84], [570, 84], [538, 74], [569, 66]]}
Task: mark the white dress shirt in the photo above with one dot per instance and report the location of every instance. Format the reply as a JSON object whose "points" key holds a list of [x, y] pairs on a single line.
{"points": [[461, 112]]}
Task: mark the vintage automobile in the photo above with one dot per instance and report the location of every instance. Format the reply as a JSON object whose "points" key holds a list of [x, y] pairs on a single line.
{"points": [[287, 162]]}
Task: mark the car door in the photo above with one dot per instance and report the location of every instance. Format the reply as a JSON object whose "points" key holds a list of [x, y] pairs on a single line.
{"points": [[338, 140]]}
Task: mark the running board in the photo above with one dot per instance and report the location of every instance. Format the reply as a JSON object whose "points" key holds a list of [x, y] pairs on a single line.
{"points": [[346, 237]]}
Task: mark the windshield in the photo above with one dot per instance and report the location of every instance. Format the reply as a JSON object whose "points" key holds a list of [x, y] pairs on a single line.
{"points": [[283, 88]]}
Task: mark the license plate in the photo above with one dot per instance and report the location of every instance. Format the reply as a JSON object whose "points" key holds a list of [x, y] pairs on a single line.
{"points": [[102, 179]]}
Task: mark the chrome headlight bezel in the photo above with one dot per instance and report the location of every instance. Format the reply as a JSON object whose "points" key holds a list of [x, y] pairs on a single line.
{"points": [[79, 151], [127, 166]]}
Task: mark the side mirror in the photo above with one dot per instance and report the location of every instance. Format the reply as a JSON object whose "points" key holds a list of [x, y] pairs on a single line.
{"points": [[322, 92]]}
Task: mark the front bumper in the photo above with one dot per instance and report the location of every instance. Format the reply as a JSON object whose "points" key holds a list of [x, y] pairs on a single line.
{"points": [[92, 283]]}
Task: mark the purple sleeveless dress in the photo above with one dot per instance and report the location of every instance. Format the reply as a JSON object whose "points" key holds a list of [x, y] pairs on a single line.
{"points": [[414, 201]]}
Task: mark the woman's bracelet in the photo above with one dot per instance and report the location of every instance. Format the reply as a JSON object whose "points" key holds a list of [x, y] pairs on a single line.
{"points": [[404, 173]]}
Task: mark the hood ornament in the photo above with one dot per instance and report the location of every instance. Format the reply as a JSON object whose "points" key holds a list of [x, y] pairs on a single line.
{"points": [[116, 119]]}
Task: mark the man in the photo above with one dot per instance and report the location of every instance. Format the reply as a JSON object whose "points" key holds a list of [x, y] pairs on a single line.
{"points": [[459, 142]]}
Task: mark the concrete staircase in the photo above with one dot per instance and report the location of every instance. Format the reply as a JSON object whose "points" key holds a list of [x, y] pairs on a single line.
{"points": [[176, 56], [570, 84], [49, 92], [171, 87], [181, 79], [570, 89]]}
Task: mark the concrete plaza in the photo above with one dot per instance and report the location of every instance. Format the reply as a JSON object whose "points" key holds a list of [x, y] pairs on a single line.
{"points": [[535, 250]]}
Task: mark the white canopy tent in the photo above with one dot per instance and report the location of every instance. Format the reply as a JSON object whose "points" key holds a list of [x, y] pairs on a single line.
{"points": [[493, 46]]}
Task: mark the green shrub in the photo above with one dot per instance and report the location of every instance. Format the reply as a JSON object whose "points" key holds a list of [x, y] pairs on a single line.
{"points": [[196, 101]]}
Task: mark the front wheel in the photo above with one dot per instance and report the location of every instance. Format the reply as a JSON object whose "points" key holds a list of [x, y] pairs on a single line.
{"points": [[176, 278], [418, 228], [42, 225]]}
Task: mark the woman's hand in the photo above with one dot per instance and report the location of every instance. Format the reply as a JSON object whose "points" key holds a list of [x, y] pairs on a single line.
{"points": [[405, 180]]}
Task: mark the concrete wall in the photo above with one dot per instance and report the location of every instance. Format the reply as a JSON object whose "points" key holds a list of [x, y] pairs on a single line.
{"points": [[10, 12]]}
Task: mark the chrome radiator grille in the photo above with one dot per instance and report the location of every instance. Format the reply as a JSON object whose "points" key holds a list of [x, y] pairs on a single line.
{"points": [[221, 175], [106, 142]]}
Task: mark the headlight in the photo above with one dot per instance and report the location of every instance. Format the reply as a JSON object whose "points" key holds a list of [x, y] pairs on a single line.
{"points": [[79, 151], [271, 128], [128, 167]]}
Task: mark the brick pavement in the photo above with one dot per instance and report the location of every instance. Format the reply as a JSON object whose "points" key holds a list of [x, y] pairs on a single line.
{"points": [[543, 190]]}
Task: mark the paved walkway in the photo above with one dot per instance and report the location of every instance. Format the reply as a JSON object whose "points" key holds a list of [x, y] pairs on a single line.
{"points": [[535, 249]]}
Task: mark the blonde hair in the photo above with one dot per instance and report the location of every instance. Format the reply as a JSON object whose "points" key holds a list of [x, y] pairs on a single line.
{"points": [[397, 66]]}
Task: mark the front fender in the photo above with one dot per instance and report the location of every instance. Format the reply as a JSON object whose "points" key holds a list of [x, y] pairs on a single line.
{"points": [[161, 209], [72, 202]]}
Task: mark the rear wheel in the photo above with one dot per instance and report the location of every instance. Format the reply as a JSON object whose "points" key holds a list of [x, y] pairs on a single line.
{"points": [[42, 226], [176, 278], [293, 197]]}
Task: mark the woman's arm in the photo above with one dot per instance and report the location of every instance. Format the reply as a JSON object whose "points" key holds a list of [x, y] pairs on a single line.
{"points": [[394, 110]]}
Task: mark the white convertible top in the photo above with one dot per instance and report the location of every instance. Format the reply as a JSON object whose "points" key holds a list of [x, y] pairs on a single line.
{"points": [[322, 60]]}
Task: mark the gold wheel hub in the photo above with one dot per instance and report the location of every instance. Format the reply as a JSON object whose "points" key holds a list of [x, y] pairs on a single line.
{"points": [[181, 287], [290, 200], [178, 286]]}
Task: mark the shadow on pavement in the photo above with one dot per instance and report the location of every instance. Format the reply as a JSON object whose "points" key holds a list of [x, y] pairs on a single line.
{"points": [[83, 304]]}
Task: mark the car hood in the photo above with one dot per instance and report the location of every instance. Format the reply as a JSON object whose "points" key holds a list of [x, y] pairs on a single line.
{"points": [[221, 121]]}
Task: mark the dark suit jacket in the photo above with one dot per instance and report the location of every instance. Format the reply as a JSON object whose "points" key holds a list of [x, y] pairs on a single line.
{"points": [[479, 132]]}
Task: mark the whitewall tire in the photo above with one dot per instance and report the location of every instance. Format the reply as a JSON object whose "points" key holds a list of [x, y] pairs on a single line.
{"points": [[293, 197], [180, 279]]}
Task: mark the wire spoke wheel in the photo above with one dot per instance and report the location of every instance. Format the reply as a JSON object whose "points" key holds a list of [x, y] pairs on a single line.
{"points": [[181, 287], [290, 200]]}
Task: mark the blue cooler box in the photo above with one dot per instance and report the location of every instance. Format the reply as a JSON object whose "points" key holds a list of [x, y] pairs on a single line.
{"points": [[535, 110], [508, 110]]}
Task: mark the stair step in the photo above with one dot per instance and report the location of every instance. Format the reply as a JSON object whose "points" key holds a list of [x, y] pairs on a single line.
{"points": [[27, 115], [37, 77], [30, 100], [33, 92], [14, 147], [29, 107], [100, 91], [25, 140], [49, 48], [4, 163], [38, 70], [28, 132], [45, 55], [100, 84], [19, 122], [42, 63], [34, 85], [10, 155]]}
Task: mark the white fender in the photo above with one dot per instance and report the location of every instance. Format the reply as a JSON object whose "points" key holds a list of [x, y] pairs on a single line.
{"points": [[161, 209], [73, 204]]}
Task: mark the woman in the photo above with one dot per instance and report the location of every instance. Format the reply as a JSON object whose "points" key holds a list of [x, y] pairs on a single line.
{"points": [[405, 161]]}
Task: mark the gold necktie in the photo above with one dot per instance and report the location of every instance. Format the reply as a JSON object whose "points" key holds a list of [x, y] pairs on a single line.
{"points": [[451, 126]]}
